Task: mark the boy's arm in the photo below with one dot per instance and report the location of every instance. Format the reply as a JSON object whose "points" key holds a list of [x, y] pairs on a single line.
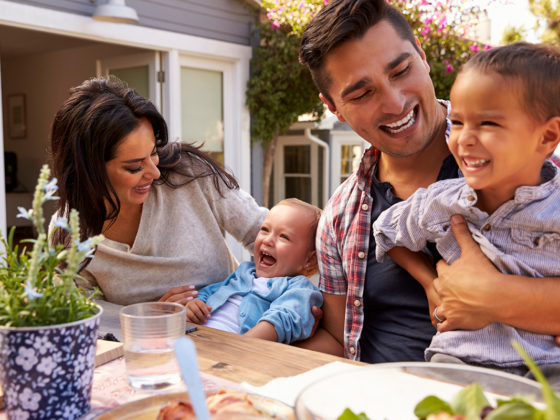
{"points": [[474, 293], [264, 330], [419, 266], [290, 313], [329, 338], [403, 225]]}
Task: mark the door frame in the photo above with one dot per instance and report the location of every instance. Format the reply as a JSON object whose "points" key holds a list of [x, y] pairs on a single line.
{"points": [[151, 59]]}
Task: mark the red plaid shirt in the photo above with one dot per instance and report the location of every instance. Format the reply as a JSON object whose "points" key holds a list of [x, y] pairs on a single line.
{"points": [[343, 242]]}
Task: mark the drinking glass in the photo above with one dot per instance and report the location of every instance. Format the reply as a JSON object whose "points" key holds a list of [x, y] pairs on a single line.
{"points": [[149, 331]]}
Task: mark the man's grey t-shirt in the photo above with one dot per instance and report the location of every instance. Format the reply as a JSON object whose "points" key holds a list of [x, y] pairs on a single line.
{"points": [[397, 324]]}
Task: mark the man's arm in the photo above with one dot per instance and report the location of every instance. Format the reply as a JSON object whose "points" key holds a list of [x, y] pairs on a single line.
{"points": [[474, 293], [330, 337]]}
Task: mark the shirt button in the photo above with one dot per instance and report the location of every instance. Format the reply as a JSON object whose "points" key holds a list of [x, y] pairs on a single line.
{"points": [[486, 227], [361, 254], [470, 198], [357, 302], [352, 350], [365, 207]]}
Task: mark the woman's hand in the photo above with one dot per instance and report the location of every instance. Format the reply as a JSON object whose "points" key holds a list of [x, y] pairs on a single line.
{"points": [[180, 295], [198, 311]]}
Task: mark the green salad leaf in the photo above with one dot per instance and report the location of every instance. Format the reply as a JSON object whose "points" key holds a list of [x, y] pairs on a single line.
{"points": [[469, 402], [350, 415], [431, 404], [552, 410]]}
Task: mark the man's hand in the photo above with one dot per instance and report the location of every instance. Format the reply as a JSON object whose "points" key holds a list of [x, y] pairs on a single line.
{"points": [[180, 295], [318, 315], [198, 312], [467, 287]]}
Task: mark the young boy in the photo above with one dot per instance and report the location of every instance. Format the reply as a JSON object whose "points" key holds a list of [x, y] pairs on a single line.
{"points": [[505, 123], [272, 297]]}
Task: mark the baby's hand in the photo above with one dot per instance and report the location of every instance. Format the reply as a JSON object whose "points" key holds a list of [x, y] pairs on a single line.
{"points": [[198, 311]]}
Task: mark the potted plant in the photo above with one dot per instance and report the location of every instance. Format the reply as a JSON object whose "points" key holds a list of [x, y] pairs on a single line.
{"points": [[48, 326]]}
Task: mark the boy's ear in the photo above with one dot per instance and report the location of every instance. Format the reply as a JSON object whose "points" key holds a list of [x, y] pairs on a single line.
{"points": [[332, 107], [550, 135]]}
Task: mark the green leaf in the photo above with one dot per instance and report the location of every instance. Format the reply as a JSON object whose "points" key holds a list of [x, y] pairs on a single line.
{"points": [[469, 402], [431, 405], [350, 415], [552, 410], [514, 409]]}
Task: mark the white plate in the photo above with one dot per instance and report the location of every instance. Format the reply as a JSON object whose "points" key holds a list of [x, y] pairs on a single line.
{"points": [[392, 390]]}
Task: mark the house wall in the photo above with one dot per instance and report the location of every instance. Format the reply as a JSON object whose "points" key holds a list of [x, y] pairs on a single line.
{"points": [[223, 20], [62, 69]]}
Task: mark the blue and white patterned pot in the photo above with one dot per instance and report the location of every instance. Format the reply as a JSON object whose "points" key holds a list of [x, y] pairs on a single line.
{"points": [[46, 372]]}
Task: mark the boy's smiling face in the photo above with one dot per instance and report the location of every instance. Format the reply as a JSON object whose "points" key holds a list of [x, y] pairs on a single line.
{"points": [[284, 244], [496, 143]]}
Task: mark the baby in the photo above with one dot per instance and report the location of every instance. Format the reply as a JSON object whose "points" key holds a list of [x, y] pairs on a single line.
{"points": [[270, 298], [505, 124]]}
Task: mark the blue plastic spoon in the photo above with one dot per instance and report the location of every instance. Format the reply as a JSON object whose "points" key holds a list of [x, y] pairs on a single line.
{"points": [[185, 352]]}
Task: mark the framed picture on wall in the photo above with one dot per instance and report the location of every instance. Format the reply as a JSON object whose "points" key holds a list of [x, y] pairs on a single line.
{"points": [[17, 127]]}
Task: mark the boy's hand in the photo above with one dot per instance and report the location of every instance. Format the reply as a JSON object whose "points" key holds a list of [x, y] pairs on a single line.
{"points": [[198, 311]]}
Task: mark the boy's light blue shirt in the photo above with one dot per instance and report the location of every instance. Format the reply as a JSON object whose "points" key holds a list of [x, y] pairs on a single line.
{"points": [[286, 305], [521, 237]]}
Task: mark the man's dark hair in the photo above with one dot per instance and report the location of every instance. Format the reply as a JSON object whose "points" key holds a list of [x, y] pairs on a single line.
{"points": [[535, 66], [341, 21]]}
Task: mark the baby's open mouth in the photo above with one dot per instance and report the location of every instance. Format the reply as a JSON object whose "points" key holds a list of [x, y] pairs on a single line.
{"points": [[267, 259]]}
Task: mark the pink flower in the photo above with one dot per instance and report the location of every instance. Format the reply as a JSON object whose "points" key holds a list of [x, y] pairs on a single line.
{"points": [[474, 47], [448, 67], [425, 30]]}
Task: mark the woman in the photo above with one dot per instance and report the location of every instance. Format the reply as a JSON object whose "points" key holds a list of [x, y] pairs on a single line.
{"points": [[163, 207]]}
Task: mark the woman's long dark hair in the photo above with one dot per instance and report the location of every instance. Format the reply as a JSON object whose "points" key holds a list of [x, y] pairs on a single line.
{"points": [[85, 134]]}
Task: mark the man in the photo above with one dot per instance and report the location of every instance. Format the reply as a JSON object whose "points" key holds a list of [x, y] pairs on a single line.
{"points": [[372, 73]]}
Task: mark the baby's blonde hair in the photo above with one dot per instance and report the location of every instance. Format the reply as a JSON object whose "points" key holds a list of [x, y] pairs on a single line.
{"points": [[315, 212]]}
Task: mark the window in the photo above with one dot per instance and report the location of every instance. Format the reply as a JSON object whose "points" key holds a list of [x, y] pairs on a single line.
{"points": [[202, 119]]}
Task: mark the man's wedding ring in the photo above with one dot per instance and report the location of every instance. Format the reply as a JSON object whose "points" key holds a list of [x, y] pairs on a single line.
{"points": [[437, 317]]}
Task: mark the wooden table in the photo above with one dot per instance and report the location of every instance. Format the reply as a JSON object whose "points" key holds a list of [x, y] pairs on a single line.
{"points": [[239, 358]]}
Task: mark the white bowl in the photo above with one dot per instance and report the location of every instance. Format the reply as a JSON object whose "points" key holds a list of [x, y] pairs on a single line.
{"points": [[392, 390]]}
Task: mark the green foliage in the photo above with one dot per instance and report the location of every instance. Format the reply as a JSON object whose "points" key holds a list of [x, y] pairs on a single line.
{"points": [[280, 89], [444, 29], [513, 34], [547, 12], [37, 286]]}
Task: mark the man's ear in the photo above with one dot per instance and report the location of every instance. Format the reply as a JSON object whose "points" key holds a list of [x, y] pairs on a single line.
{"points": [[331, 107], [550, 135], [422, 53]]}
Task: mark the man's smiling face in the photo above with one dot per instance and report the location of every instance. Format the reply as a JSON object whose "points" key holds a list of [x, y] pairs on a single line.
{"points": [[381, 86]]}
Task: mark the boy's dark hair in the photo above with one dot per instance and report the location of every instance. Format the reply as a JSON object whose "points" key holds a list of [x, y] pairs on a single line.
{"points": [[535, 66], [341, 21]]}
